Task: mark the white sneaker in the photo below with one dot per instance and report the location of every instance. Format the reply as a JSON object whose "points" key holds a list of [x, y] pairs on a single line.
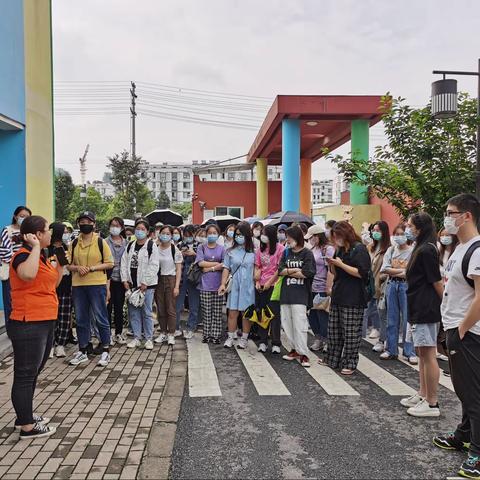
{"points": [[276, 349], [423, 409], [374, 333], [134, 343], [378, 347], [178, 333], [120, 339], [161, 338], [243, 343], [148, 345], [413, 360], [411, 401], [316, 345], [50, 355], [60, 351], [104, 359], [171, 340], [129, 333], [262, 348], [442, 357], [112, 340], [386, 355], [228, 342], [78, 358], [188, 334]]}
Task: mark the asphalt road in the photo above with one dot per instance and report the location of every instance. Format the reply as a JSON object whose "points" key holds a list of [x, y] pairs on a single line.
{"points": [[309, 434]]}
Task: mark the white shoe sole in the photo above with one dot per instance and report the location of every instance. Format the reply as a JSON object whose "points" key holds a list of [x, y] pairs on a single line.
{"points": [[78, 363], [51, 432], [433, 413]]}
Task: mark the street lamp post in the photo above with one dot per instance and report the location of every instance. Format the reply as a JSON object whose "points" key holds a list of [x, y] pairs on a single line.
{"points": [[444, 105]]}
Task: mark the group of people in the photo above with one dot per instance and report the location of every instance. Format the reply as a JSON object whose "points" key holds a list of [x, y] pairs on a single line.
{"points": [[326, 277]]}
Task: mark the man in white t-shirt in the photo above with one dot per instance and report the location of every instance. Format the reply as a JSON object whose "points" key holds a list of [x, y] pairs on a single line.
{"points": [[461, 321]]}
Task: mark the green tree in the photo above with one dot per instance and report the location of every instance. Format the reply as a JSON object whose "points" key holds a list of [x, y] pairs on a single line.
{"points": [[93, 202], [184, 209], [425, 161], [127, 176], [145, 199], [163, 200], [64, 190]]}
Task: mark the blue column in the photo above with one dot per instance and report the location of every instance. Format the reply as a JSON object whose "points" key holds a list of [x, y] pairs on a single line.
{"points": [[291, 164]]}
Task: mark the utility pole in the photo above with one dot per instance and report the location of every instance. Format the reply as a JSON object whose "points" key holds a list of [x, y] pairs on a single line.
{"points": [[83, 176], [133, 115]]}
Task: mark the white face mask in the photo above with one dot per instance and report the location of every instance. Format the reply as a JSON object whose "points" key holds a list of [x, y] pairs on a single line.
{"points": [[201, 239], [450, 225], [257, 232], [115, 231], [292, 243], [328, 233], [314, 241], [399, 239], [264, 239]]}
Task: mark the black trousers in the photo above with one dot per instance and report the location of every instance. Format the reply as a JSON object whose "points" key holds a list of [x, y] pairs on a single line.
{"points": [[116, 303], [262, 299], [32, 342], [464, 358]]}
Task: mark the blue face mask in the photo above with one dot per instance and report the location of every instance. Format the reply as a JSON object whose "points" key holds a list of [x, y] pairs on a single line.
{"points": [[176, 237], [165, 238], [66, 238], [230, 234], [212, 238], [188, 239], [240, 239], [140, 234], [410, 235]]}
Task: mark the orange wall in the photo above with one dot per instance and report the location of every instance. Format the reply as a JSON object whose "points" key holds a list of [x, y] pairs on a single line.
{"points": [[389, 214], [232, 194]]}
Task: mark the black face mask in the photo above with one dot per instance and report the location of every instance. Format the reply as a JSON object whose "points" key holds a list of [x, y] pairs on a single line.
{"points": [[86, 229]]}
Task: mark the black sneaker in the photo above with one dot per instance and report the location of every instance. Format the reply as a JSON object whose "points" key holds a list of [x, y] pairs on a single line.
{"points": [[36, 419], [39, 430], [470, 467], [216, 341], [449, 442]]}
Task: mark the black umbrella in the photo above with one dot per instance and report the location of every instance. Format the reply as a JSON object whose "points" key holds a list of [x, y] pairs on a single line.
{"points": [[166, 216], [290, 217], [223, 221]]}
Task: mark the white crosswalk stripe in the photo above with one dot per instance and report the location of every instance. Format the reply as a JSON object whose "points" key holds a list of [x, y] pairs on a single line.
{"points": [[202, 375], [262, 374]]}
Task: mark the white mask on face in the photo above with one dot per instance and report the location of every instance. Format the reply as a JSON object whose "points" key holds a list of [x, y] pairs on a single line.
{"points": [[450, 225], [264, 239], [292, 243], [257, 232]]}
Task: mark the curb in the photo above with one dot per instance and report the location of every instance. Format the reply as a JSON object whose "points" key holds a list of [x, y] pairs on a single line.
{"points": [[156, 462]]}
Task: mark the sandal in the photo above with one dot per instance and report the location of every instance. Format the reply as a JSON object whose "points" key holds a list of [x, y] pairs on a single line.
{"points": [[347, 371]]}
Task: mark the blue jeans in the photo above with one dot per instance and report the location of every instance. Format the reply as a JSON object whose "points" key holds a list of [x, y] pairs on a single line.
{"points": [[318, 320], [371, 317], [396, 296], [141, 318], [193, 304], [7, 300], [91, 298]]}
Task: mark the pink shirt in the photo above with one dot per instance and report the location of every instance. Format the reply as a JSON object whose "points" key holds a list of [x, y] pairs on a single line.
{"points": [[268, 264]]}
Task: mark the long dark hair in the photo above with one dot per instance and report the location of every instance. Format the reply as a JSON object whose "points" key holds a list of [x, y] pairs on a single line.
{"points": [[246, 231], [384, 242], [271, 232], [423, 222], [345, 231], [296, 233], [443, 247]]}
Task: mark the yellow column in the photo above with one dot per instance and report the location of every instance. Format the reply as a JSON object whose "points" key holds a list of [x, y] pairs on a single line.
{"points": [[306, 186], [39, 108], [262, 187]]}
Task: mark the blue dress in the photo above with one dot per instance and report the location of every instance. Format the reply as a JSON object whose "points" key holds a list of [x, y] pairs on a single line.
{"points": [[241, 266]]}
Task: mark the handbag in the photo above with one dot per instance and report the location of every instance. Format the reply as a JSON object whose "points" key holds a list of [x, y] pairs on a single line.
{"points": [[229, 282], [277, 289], [321, 303], [136, 298], [194, 274]]}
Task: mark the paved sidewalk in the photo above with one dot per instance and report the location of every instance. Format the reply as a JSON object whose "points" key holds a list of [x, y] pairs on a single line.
{"points": [[106, 418]]}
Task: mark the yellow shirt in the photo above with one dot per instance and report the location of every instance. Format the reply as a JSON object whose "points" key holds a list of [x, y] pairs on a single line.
{"points": [[88, 255]]}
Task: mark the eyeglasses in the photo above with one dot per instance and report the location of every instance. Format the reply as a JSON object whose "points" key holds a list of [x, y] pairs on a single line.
{"points": [[453, 213]]}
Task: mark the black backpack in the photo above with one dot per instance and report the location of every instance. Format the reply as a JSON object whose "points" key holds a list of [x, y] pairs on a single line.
{"points": [[466, 262], [149, 247]]}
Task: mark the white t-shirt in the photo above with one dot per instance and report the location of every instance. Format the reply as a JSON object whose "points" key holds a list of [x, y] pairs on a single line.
{"points": [[167, 265], [458, 295]]}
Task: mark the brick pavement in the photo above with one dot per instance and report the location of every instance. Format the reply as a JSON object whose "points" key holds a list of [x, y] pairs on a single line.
{"points": [[105, 417]]}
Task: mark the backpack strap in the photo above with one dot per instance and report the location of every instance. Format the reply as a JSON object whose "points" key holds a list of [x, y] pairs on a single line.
{"points": [[172, 246], [466, 262], [100, 246], [74, 244], [129, 246]]}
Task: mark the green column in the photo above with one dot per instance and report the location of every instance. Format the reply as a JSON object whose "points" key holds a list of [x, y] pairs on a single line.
{"points": [[359, 193]]}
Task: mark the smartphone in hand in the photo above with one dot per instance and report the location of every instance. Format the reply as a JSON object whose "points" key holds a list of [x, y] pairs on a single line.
{"points": [[61, 256]]}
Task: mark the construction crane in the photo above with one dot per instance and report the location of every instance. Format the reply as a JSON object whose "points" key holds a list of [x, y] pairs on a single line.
{"points": [[83, 175]]}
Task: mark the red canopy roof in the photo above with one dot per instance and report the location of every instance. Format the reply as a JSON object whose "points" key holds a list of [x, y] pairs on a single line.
{"points": [[325, 122]]}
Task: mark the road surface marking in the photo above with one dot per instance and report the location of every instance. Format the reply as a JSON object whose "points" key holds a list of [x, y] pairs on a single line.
{"points": [[385, 380], [332, 383], [263, 376], [202, 375]]}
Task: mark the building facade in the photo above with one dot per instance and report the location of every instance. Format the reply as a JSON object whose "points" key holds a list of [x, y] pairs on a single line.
{"points": [[322, 191], [26, 110], [176, 179], [105, 189]]}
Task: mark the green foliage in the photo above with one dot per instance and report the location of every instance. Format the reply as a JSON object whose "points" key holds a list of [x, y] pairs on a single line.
{"points": [[163, 200], [64, 189], [93, 202], [425, 161], [184, 209]]}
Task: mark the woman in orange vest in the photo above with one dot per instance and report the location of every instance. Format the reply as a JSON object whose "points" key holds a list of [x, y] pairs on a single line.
{"points": [[34, 279]]}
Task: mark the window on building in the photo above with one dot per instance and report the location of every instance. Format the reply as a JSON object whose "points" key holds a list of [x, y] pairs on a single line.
{"points": [[214, 176], [186, 185], [186, 195], [186, 176], [244, 177], [163, 176], [231, 177], [174, 176], [234, 211]]}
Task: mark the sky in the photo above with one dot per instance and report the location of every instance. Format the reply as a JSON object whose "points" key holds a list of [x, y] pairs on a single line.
{"points": [[225, 61]]}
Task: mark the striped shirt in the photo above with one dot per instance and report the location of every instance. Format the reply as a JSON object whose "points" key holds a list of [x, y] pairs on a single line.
{"points": [[8, 245]]}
